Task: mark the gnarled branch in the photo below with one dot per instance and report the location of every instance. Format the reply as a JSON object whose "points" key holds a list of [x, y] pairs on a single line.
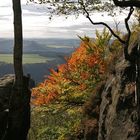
{"points": [[124, 42], [129, 34], [124, 3], [101, 23]]}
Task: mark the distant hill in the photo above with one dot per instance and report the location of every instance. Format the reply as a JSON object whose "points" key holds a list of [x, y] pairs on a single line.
{"points": [[55, 48], [40, 45]]}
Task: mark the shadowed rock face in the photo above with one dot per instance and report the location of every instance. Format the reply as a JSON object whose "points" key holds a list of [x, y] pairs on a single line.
{"points": [[119, 119], [117, 116], [6, 83], [14, 109]]}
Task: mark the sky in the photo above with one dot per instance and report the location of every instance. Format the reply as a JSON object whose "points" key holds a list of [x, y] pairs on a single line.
{"points": [[36, 23]]}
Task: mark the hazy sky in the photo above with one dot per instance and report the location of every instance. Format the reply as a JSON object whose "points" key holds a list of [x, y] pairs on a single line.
{"points": [[36, 23]]}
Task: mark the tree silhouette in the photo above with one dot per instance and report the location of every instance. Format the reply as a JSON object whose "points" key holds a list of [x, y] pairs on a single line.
{"points": [[18, 122], [18, 45]]}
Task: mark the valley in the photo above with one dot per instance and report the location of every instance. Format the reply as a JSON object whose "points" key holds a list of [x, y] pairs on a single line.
{"points": [[40, 55]]}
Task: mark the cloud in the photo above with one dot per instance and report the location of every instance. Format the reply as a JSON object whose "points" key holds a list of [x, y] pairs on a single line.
{"points": [[36, 23]]}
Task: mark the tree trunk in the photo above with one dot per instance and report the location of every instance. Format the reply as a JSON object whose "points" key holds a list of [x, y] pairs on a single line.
{"points": [[18, 44], [18, 122]]}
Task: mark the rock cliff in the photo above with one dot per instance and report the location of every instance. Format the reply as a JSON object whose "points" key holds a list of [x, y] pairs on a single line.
{"points": [[14, 109]]}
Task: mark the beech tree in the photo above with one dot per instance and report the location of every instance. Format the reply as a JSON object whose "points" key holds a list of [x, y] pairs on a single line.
{"points": [[135, 59], [105, 116], [68, 7]]}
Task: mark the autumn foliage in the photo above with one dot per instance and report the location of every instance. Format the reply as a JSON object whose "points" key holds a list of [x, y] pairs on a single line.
{"points": [[75, 80]]}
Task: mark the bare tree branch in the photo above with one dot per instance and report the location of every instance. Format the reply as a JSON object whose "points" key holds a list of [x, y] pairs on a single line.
{"points": [[124, 3], [101, 23], [126, 23], [124, 42], [129, 34]]}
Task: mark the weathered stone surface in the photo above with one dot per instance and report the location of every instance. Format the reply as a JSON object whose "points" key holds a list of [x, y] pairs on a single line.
{"points": [[14, 109], [6, 83], [118, 118]]}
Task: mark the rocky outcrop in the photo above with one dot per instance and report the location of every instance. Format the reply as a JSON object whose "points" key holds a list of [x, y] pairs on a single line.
{"points": [[14, 109], [6, 83], [113, 112], [118, 119]]}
